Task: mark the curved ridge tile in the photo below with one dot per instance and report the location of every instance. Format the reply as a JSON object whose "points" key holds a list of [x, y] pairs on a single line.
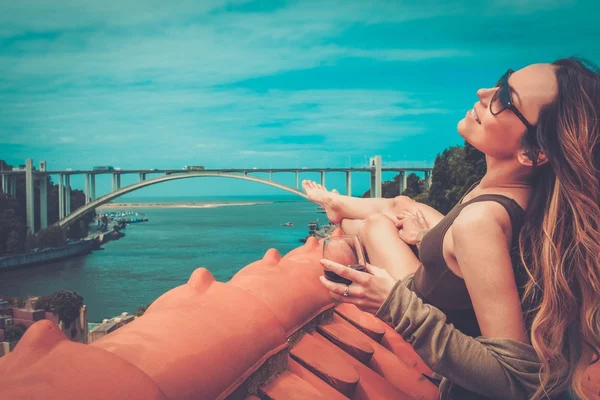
{"points": [[293, 292], [311, 248], [199, 345], [311, 243], [46, 365], [272, 257], [328, 391], [320, 360], [348, 339], [371, 385], [367, 323], [388, 365], [201, 279]]}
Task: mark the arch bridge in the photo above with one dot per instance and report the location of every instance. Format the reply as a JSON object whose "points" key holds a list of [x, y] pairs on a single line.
{"points": [[9, 183], [139, 185]]}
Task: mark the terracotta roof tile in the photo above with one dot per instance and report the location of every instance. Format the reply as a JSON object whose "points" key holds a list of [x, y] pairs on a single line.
{"points": [[322, 360], [272, 332], [314, 380]]}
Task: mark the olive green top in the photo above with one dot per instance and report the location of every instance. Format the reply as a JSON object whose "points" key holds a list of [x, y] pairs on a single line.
{"points": [[470, 368], [437, 285]]}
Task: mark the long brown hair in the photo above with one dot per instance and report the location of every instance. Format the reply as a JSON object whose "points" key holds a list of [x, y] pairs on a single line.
{"points": [[560, 239]]}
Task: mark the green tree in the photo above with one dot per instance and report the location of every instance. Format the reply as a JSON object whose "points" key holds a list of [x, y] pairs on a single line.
{"points": [[52, 236], [64, 303], [448, 179], [14, 243], [16, 302], [142, 309], [414, 186], [456, 169], [475, 161], [13, 229]]}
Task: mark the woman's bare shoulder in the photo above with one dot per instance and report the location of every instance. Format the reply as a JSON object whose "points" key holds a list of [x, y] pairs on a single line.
{"points": [[482, 217]]}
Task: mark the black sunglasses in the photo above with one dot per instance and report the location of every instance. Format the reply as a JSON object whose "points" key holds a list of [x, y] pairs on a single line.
{"points": [[502, 100]]}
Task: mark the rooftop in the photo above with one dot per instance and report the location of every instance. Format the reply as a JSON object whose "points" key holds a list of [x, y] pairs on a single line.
{"points": [[271, 332]]}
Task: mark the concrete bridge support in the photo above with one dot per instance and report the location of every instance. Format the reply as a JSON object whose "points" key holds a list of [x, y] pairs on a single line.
{"points": [[116, 182], [402, 181], [375, 176], [323, 178], [142, 177], [67, 195], [61, 196], [427, 180], [9, 185], [29, 195], [43, 197], [270, 175], [86, 189], [92, 187], [348, 183]]}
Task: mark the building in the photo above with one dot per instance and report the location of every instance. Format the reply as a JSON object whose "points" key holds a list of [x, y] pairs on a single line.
{"points": [[77, 331], [107, 326]]}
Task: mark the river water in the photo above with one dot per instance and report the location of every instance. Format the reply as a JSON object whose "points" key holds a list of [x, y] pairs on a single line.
{"points": [[158, 255]]}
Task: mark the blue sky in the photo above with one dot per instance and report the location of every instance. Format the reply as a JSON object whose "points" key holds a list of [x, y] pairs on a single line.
{"points": [[160, 84]]}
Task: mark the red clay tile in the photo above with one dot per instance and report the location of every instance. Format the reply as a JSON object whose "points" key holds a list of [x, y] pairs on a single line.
{"points": [[324, 363], [46, 365], [368, 323], [388, 365], [291, 290], [199, 341], [208, 340], [348, 339], [371, 385], [252, 397], [400, 347], [314, 380], [289, 386]]}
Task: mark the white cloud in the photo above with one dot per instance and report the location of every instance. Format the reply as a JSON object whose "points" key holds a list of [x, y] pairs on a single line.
{"points": [[105, 77]]}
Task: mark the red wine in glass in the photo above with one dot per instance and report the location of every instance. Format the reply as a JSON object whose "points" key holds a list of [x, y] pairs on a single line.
{"points": [[346, 250]]}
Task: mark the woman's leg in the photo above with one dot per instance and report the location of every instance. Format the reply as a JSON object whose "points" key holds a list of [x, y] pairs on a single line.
{"points": [[339, 207], [385, 249], [351, 226]]}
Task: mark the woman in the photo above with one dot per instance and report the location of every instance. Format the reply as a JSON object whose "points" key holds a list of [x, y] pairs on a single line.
{"points": [[520, 288]]}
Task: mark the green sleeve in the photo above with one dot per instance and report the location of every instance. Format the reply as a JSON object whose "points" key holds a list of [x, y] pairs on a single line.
{"points": [[498, 368]]}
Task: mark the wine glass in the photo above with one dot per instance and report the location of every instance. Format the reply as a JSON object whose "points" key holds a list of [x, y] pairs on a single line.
{"points": [[346, 250]]}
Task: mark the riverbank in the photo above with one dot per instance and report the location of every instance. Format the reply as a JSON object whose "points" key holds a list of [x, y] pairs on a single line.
{"points": [[47, 255], [111, 206]]}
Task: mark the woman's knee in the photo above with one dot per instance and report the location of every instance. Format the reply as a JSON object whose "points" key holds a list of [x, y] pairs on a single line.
{"points": [[375, 223], [401, 203]]}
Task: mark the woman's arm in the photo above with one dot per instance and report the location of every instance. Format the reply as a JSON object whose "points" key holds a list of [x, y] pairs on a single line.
{"points": [[501, 364], [497, 368], [481, 240]]}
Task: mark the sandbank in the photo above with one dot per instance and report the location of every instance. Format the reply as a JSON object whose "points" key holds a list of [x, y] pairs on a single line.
{"points": [[177, 205]]}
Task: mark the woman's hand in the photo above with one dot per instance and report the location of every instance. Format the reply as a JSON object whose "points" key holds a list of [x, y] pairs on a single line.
{"points": [[411, 226], [368, 290]]}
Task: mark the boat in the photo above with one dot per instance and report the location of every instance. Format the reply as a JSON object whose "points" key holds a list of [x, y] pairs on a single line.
{"points": [[287, 224]]}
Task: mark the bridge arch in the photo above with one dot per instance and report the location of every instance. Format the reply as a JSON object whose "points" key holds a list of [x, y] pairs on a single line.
{"points": [[139, 185]]}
